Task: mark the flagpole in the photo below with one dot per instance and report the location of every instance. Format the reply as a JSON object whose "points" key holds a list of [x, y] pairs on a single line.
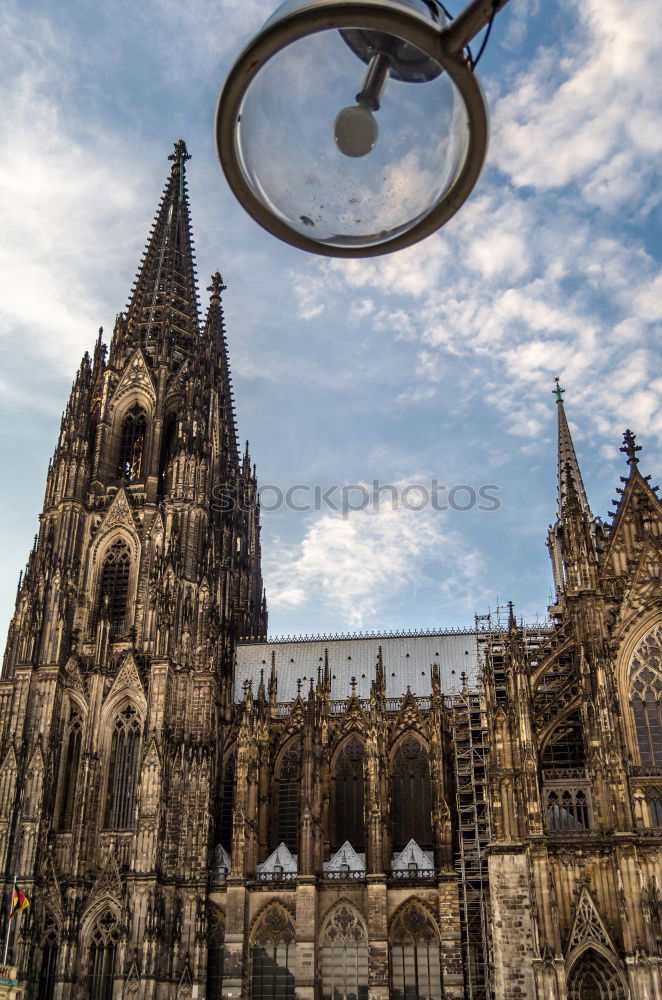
{"points": [[4, 961]]}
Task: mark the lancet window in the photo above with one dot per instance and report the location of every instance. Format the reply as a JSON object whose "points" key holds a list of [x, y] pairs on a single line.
{"points": [[132, 443], [289, 783], [415, 957], [411, 796], [70, 762], [168, 442], [648, 806], [227, 804], [114, 585], [344, 957], [594, 978], [272, 966], [103, 951], [349, 796], [646, 698], [215, 955], [123, 770], [49, 955]]}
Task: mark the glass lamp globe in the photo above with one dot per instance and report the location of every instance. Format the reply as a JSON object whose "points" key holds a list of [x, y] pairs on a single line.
{"points": [[351, 128]]}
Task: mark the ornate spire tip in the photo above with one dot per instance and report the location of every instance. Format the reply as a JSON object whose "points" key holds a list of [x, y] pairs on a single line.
{"points": [[557, 390], [630, 447]]}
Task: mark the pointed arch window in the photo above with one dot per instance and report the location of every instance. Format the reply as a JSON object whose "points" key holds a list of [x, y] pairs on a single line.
{"points": [[102, 955], [123, 770], [227, 804], [415, 957], [565, 746], [70, 762], [168, 442], [345, 957], [411, 796], [646, 698], [132, 443], [272, 965], [349, 796], [289, 783], [114, 585], [215, 955], [594, 978], [49, 955]]}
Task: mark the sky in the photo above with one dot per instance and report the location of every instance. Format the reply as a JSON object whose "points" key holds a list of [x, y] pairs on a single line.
{"points": [[432, 365]]}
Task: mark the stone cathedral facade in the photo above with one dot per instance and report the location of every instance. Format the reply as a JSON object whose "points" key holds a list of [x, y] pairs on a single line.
{"points": [[198, 811]]}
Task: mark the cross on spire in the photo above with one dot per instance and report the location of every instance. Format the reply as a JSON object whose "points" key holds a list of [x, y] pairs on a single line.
{"points": [[557, 390]]}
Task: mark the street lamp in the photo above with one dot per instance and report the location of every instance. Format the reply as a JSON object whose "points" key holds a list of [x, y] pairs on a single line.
{"points": [[353, 128]]}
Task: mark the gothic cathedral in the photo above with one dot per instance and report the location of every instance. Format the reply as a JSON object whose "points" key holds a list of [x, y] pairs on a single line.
{"points": [[195, 810]]}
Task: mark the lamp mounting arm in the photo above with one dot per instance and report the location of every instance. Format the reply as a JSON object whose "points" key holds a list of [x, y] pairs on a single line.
{"points": [[466, 25]]}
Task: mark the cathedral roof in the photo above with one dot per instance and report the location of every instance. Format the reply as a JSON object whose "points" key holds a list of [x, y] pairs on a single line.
{"points": [[407, 661]]}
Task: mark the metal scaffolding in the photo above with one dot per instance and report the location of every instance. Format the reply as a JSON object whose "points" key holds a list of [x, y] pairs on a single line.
{"points": [[470, 740], [470, 737]]}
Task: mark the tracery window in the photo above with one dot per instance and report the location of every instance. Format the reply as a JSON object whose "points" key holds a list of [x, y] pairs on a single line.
{"points": [[648, 806], [70, 761], [168, 443], [49, 954], [568, 809], [594, 978], [114, 586], [227, 804], [272, 967], [103, 950], [411, 796], [646, 698], [349, 796], [123, 770], [415, 957], [215, 955], [289, 783], [344, 957], [132, 443]]}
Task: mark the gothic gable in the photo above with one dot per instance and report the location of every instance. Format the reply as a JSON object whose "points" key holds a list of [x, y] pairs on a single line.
{"points": [[282, 858], [410, 715], [74, 677], [412, 855], [127, 677], [638, 508], [108, 883], [345, 855], [588, 925], [136, 375], [644, 589], [119, 514], [51, 892]]}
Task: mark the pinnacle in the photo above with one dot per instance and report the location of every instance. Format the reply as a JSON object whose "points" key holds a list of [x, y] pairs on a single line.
{"points": [[568, 466], [630, 447]]}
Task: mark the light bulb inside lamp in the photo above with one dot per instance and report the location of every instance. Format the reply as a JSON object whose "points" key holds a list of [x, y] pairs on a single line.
{"points": [[355, 129]]}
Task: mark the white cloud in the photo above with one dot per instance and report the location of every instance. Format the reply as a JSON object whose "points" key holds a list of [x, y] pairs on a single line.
{"points": [[361, 563], [585, 97]]}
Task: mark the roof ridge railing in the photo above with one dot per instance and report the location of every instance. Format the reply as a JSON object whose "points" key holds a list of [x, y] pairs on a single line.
{"points": [[483, 627]]}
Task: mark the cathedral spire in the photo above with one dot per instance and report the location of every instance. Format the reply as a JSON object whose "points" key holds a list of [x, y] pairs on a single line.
{"points": [[215, 335], [568, 466], [165, 296]]}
